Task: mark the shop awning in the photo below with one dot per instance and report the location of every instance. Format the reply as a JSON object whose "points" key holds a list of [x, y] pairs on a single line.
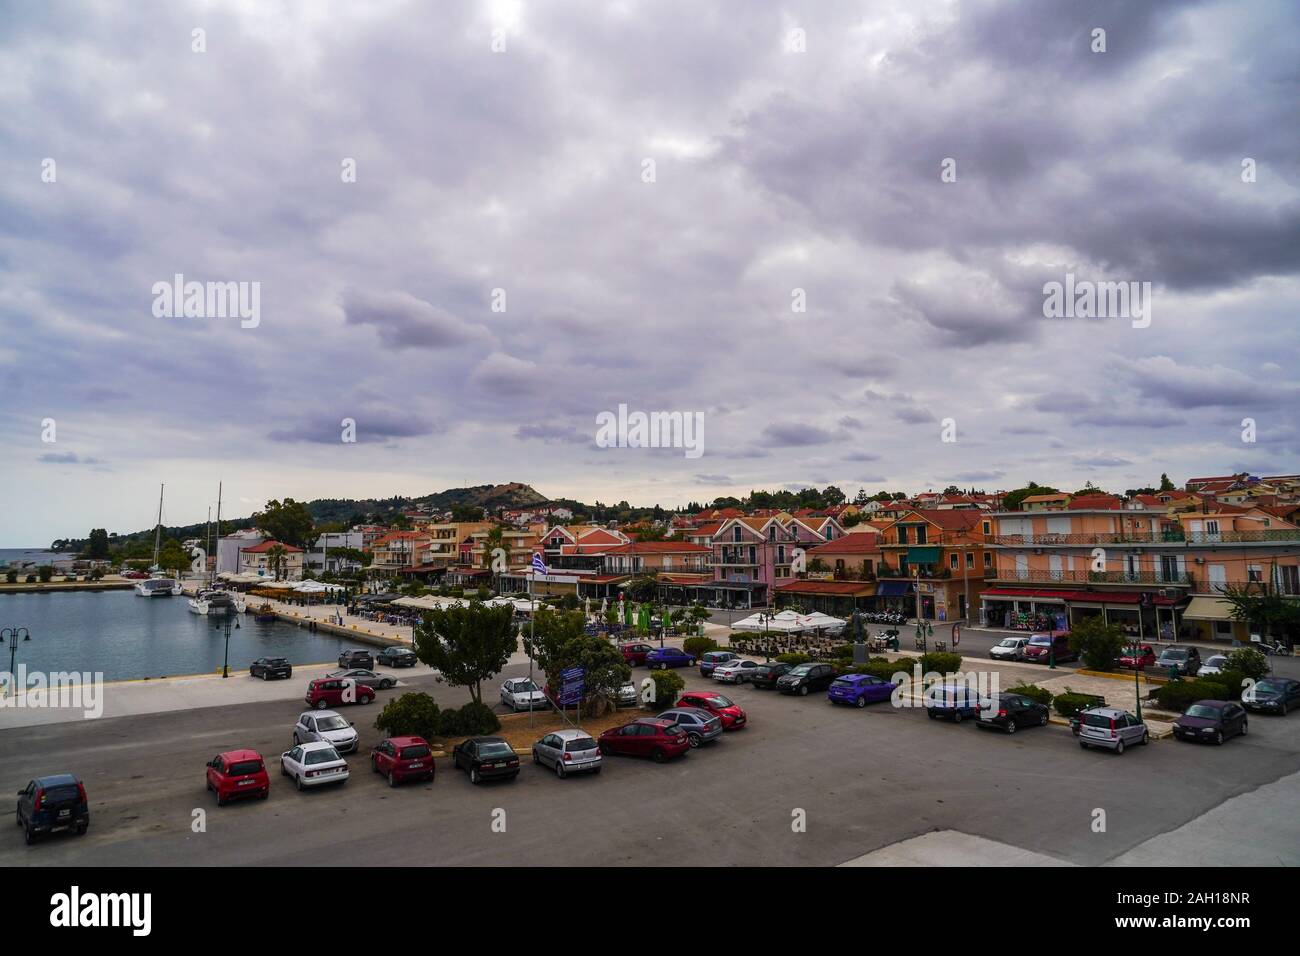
{"points": [[893, 588], [1209, 609], [923, 555]]}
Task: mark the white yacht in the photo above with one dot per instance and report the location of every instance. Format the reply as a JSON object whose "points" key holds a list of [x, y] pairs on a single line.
{"points": [[217, 601], [157, 584]]}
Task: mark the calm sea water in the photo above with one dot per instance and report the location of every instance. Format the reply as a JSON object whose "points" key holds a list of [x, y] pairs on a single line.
{"points": [[37, 556], [127, 636]]}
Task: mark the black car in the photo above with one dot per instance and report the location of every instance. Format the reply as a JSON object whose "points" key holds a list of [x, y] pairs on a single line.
{"points": [[397, 656], [356, 658], [269, 668], [766, 675], [486, 758], [1010, 712], [1273, 695], [803, 678], [1211, 720], [1183, 659], [56, 802]]}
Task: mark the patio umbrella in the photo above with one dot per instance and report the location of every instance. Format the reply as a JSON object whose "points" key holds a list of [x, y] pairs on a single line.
{"points": [[627, 612], [857, 627], [643, 618], [586, 607]]}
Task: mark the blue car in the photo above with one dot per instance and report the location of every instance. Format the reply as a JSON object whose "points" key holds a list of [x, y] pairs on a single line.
{"points": [[859, 690], [666, 657], [56, 802], [953, 702]]}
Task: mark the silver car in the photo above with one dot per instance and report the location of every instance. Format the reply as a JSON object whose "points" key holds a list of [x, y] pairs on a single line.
{"points": [[1214, 664], [627, 695], [568, 751], [1009, 649], [699, 725], [734, 671], [1111, 728], [522, 694], [328, 726]]}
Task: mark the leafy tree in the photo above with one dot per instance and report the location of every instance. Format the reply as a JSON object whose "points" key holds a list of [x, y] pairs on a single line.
{"points": [[97, 544], [466, 513], [642, 588], [1011, 502], [1099, 644], [559, 641], [45, 572], [289, 522], [1263, 605], [1166, 484], [1249, 662], [861, 498], [667, 685], [275, 559], [409, 715], [468, 645]]}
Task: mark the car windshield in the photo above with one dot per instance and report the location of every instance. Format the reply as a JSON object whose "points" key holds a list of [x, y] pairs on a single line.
{"points": [[1268, 687], [1009, 642], [334, 722], [1218, 660], [1200, 710], [1038, 641], [415, 752], [718, 701], [241, 767], [801, 670], [525, 687], [495, 749], [579, 743], [1175, 653], [325, 755]]}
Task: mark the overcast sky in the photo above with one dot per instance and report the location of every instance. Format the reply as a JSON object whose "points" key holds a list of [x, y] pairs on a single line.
{"points": [[778, 165]]}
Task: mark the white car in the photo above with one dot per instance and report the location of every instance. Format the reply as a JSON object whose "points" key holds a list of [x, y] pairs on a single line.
{"points": [[310, 765], [522, 694], [328, 726], [734, 672], [1009, 649], [628, 696], [1214, 664]]}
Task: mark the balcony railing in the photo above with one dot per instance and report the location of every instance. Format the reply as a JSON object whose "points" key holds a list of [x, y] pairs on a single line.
{"points": [[1094, 577], [1278, 535], [927, 573]]}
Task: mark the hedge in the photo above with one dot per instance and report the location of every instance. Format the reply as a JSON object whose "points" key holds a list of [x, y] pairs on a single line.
{"points": [[842, 650], [695, 646], [409, 715], [1180, 694], [793, 658], [1230, 680], [1033, 692], [469, 721], [942, 662], [1069, 704]]}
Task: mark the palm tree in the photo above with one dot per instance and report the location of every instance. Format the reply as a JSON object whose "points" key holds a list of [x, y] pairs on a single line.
{"points": [[275, 558]]}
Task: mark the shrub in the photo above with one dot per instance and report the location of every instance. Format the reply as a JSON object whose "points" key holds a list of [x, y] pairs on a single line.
{"points": [[941, 661], [478, 718], [411, 714], [842, 651], [695, 646], [793, 658], [1230, 680], [45, 571], [30, 579], [1098, 644], [1035, 693], [1249, 661], [11, 576], [1069, 704], [449, 723], [668, 684], [1180, 694]]}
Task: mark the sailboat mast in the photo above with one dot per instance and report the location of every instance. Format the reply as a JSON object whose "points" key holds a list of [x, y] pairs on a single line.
{"points": [[214, 564], [157, 529], [207, 539]]}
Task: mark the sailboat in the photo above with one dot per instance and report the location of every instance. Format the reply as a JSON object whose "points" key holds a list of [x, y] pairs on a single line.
{"points": [[157, 584], [214, 599]]}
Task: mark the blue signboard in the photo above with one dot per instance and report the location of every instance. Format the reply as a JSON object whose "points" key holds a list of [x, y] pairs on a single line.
{"points": [[572, 685]]}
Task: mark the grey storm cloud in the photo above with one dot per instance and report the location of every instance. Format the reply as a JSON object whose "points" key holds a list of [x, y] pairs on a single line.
{"points": [[521, 171]]}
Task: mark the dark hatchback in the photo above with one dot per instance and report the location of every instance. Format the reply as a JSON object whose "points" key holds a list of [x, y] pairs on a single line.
{"points": [[56, 802], [270, 668], [803, 678], [1212, 721], [1010, 712], [356, 658], [766, 675], [1273, 695], [396, 656], [486, 758]]}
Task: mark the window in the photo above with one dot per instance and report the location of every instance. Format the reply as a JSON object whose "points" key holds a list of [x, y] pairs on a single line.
{"points": [[954, 560], [988, 560], [735, 533], [902, 534], [920, 534], [970, 559], [986, 527]]}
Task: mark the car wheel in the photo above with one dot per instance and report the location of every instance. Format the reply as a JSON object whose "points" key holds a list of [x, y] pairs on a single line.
{"points": [[82, 828], [386, 685], [536, 759], [596, 771], [1082, 745], [1243, 728], [29, 836], [374, 765], [1011, 726], [803, 691], [604, 750], [694, 740], [19, 815], [297, 780], [474, 777], [658, 755], [1042, 720], [320, 705], [392, 779], [932, 715], [957, 717], [1119, 748], [1218, 737], [366, 700], [862, 702], [1146, 738], [283, 772], [559, 769], [265, 675]]}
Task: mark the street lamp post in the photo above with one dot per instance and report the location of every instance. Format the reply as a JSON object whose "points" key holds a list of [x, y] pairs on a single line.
{"points": [[14, 634], [225, 665]]}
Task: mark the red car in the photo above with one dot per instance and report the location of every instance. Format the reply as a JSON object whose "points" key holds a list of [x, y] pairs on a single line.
{"points": [[646, 737], [732, 717], [403, 758], [134, 575], [634, 654], [336, 691], [1141, 659], [238, 773]]}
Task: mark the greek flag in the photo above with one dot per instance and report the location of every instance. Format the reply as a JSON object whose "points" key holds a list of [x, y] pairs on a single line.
{"points": [[539, 567]]}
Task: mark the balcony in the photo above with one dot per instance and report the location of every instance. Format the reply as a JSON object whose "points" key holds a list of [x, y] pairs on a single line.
{"points": [[1274, 535], [926, 573], [1094, 577]]}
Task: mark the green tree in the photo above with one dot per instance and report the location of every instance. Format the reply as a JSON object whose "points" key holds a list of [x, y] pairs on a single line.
{"points": [[559, 641], [468, 645], [275, 559], [1262, 605], [1011, 502], [409, 715], [466, 513], [45, 572], [1099, 644], [97, 544], [288, 521], [1166, 484], [642, 588]]}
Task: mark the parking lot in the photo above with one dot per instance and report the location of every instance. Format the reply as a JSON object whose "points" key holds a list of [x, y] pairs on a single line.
{"points": [[862, 779]]}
